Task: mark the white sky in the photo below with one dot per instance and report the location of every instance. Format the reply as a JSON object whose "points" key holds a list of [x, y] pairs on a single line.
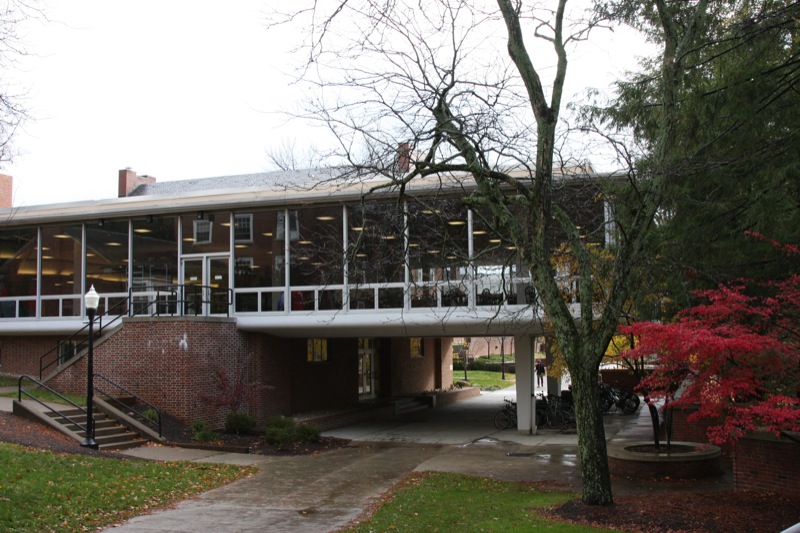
{"points": [[174, 89]]}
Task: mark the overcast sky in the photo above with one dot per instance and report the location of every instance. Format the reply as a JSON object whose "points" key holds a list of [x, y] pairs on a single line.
{"points": [[174, 89]]}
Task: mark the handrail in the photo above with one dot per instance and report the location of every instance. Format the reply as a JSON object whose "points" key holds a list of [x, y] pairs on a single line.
{"points": [[185, 300], [78, 347], [139, 415], [50, 409]]}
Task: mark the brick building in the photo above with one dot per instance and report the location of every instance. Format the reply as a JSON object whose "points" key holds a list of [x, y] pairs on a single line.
{"points": [[299, 285]]}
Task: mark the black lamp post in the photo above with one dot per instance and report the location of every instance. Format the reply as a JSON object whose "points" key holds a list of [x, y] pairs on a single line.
{"points": [[503, 358], [92, 301]]}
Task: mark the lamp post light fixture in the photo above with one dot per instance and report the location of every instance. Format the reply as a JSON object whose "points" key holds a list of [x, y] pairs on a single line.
{"points": [[92, 301]]}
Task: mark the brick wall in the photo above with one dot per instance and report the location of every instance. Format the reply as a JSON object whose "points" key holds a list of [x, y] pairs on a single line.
{"points": [[767, 463], [412, 375], [175, 365], [324, 384], [20, 355]]}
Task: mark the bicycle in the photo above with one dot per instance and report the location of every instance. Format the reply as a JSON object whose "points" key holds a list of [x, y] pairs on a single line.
{"points": [[507, 416]]}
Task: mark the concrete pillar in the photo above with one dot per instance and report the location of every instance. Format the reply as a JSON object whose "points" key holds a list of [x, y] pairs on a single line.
{"points": [[523, 357]]}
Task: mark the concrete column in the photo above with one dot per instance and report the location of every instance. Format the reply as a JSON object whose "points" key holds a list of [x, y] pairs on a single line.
{"points": [[523, 357]]}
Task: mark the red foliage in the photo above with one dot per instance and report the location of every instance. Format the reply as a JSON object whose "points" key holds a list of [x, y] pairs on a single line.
{"points": [[233, 388], [737, 357]]}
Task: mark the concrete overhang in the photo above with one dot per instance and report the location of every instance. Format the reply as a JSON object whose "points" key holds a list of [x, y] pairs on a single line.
{"points": [[413, 323]]}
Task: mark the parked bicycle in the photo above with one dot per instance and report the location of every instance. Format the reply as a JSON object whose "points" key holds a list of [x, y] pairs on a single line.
{"points": [[625, 400], [507, 416], [555, 412]]}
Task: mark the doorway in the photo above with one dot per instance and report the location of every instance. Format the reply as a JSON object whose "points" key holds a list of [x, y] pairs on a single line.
{"points": [[206, 281], [366, 369]]}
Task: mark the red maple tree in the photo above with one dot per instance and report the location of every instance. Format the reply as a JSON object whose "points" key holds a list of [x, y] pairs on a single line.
{"points": [[735, 357]]}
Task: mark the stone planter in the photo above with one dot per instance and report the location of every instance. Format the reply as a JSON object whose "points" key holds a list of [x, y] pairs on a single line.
{"points": [[685, 460]]}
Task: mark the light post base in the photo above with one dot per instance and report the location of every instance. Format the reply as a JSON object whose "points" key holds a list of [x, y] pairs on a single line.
{"points": [[90, 443]]}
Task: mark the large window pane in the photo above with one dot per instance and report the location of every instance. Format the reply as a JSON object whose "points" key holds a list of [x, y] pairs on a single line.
{"points": [[438, 251], [495, 261], [259, 259], [107, 256], [206, 232], [18, 248], [316, 255], [61, 270], [155, 262], [376, 254]]}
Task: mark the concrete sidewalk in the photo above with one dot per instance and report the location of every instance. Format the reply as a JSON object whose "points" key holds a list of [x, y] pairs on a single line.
{"points": [[321, 493]]}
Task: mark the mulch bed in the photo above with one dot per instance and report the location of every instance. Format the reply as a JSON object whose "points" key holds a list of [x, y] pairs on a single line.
{"points": [[682, 512], [666, 512]]}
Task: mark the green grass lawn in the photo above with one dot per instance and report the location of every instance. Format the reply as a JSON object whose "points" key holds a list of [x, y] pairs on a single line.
{"points": [[6, 381], [47, 396], [486, 379], [43, 491], [454, 502]]}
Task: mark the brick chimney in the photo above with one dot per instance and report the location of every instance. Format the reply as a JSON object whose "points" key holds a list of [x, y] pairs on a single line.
{"points": [[404, 157], [6, 191], [128, 181]]}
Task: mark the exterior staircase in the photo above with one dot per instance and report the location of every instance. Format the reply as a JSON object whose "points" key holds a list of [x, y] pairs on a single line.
{"points": [[410, 404], [109, 433]]}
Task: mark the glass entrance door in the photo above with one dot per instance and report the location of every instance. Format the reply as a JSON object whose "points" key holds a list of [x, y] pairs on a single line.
{"points": [[206, 283], [366, 369]]}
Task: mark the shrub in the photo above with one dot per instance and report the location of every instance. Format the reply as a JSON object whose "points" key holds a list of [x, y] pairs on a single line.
{"points": [[282, 432], [239, 423], [201, 434], [307, 433], [151, 415], [280, 422], [280, 437]]}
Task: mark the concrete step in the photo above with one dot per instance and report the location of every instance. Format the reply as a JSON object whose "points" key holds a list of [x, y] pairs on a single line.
{"points": [[410, 404], [109, 434]]}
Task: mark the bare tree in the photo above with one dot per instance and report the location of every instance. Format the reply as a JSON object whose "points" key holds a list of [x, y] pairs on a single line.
{"points": [[454, 83], [12, 110]]}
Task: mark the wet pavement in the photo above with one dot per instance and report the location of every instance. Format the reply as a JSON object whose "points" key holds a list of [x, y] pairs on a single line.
{"points": [[324, 492]]}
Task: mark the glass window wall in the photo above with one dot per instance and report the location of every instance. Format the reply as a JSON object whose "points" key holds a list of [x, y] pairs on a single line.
{"points": [[18, 267], [154, 272], [376, 260], [259, 260], [438, 250], [62, 271]]}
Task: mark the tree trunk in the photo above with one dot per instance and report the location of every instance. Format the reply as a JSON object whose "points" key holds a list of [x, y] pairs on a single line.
{"points": [[591, 433]]}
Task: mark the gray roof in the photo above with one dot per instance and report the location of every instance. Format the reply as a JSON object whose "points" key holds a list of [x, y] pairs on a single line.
{"points": [[277, 181]]}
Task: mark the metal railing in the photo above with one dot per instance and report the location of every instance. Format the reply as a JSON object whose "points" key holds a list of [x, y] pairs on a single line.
{"points": [[72, 346], [141, 415], [49, 409]]}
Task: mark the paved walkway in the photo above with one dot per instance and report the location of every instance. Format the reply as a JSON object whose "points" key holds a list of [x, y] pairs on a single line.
{"points": [[324, 492]]}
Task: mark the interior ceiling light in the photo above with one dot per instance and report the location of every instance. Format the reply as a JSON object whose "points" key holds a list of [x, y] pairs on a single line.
{"points": [[112, 243], [61, 236], [357, 228], [304, 242], [240, 246], [188, 239], [495, 241], [361, 255], [456, 222], [326, 218], [480, 232], [143, 230], [389, 237], [267, 234]]}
